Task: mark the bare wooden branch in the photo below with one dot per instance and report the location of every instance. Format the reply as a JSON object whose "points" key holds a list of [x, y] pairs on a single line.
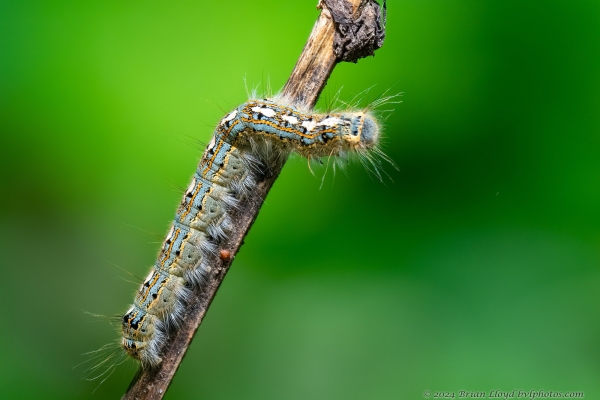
{"points": [[303, 88]]}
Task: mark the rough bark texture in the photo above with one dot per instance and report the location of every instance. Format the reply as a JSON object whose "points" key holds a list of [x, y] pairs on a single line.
{"points": [[303, 88], [357, 34]]}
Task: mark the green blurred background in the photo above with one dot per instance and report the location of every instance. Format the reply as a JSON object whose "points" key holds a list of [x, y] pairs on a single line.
{"points": [[475, 269]]}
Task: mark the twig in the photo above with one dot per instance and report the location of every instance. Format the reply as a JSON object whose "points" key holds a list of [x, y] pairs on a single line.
{"points": [[303, 88]]}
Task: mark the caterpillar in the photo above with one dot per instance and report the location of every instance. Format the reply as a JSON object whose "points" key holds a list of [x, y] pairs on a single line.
{"points": [[246, 141]]}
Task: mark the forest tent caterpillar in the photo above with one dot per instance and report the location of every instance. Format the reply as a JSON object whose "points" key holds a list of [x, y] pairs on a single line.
{"points": [[246, 141]]}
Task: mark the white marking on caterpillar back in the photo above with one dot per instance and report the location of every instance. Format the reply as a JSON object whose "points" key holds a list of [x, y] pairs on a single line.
{"points": [[290, 118], [229, 117], [188, 191], [309, 125], [148, 278], [211, 144], [267, 112], [332, 121]]}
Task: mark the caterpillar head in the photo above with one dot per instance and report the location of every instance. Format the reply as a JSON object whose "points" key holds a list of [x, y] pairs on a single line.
{"points": [[363, 130]]}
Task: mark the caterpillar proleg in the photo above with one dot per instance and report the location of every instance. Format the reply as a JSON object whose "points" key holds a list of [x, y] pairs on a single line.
{"points": [[246, 141]]}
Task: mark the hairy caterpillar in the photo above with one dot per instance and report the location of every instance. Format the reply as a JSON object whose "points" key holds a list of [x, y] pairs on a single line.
{"points": [[246, 142]]}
